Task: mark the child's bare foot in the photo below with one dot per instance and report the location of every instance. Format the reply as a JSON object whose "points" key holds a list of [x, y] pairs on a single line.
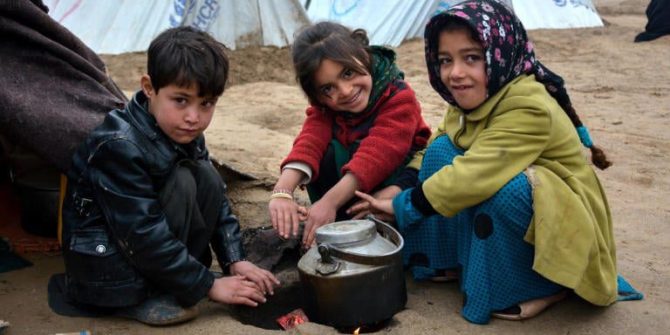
{"points": [[530, 308]]}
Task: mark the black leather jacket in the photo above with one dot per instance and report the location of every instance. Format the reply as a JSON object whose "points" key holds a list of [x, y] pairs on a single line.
{"points": [[115, 237]]}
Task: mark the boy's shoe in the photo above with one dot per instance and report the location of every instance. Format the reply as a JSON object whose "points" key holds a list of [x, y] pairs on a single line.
{"points": [[530, 308], [159, 311]]}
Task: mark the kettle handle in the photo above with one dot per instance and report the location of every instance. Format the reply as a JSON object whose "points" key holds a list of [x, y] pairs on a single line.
{"points": [[386, 231]]}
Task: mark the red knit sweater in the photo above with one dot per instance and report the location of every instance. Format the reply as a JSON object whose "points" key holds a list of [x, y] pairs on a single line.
{"points": [[397, 128]]}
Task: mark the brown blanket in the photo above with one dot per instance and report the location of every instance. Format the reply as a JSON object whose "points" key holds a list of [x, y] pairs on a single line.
{"points": [[53, 89]]}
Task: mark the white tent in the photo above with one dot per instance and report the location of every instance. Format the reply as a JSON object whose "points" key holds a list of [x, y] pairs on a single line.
{"points": [[116, 26], [557, 14], [389, 22]]}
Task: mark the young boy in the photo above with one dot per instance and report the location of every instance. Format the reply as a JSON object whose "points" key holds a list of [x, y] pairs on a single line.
{"points": [[144, 202]]}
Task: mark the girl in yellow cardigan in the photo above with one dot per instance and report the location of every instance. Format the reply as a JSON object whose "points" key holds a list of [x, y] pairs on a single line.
{"points": [[505, 198]]}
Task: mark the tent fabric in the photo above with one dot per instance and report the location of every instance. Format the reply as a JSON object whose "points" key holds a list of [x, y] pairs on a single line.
{"points": [[556, 14], [54, 89], [658, 24], [117, 26], [389, 22]]}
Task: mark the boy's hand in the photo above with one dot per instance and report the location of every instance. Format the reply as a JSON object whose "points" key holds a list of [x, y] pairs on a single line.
{"points": [[363, 207], [321, 213], [284, 216], [236, 290], [265, 280]]}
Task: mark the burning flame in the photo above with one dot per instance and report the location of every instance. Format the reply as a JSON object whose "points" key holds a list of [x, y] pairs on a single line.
{"points": [[357, 330]]}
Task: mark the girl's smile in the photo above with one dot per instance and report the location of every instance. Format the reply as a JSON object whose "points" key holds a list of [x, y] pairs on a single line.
{"points": [[342, 89], [354, 98]]}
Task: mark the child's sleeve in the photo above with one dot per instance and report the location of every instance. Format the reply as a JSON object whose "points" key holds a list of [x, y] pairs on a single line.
{"points": [[513, 140], [302, 167], [130, 204], [408, 178], [312, 141], [226, 239], [417, 159]]}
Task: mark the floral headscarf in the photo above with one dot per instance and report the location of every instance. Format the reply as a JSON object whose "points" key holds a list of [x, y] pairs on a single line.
{"points": [[507, 49], [508, 54]]}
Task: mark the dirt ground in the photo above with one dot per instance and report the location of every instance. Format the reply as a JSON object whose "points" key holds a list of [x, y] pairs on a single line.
{"points": [[620, 89]]}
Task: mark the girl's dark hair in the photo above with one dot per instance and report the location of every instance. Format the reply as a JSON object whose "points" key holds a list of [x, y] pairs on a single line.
{"points": [[458, 24], [184, 56], [332, 41]]}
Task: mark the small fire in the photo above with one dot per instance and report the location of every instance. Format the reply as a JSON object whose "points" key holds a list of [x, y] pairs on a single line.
{"points": [[290, 320], [357, 330]]}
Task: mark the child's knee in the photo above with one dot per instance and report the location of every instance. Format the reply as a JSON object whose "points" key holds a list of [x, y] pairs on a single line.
{"points": [[207, 177], [516, 191], [514, 201], [179, 189], [183, 183]]}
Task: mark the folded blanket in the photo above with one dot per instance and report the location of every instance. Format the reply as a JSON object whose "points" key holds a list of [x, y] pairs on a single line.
{"points": [[53, 89]]}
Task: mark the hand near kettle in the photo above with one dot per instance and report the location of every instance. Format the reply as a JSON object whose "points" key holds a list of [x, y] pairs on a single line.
{"points": [[263, 279], [364, 207], [324, 210], [285, 213], [380, 207], [236, 290], [320, 214]]}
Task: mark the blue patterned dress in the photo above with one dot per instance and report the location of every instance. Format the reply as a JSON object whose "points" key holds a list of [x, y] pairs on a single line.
{"points": [[484, 242]]}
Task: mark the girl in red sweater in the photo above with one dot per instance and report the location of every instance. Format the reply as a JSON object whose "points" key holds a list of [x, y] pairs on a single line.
{"points": [[362, 125]]}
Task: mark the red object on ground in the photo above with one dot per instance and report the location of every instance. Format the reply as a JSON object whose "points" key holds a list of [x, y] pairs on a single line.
{"points": [[292, 319]]}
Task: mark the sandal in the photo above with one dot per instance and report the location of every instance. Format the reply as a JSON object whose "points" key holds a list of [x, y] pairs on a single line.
{"points": [[529, 309]]}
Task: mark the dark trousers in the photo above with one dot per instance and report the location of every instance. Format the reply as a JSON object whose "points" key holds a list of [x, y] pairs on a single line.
{"points": [[192, 199], [329, 175]]}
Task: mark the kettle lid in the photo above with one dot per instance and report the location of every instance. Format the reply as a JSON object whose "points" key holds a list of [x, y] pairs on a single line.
{"points": [[348, 231]]}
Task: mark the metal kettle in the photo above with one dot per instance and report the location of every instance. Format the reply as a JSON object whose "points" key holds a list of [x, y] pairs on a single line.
{"points": [[354, 275]]}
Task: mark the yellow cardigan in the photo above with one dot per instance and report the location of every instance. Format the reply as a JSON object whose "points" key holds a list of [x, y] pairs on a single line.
{"points": [[523, 129]]}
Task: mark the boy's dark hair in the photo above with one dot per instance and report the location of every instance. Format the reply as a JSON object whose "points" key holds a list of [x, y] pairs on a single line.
{"points": [[185, 56], [332, 41]]}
